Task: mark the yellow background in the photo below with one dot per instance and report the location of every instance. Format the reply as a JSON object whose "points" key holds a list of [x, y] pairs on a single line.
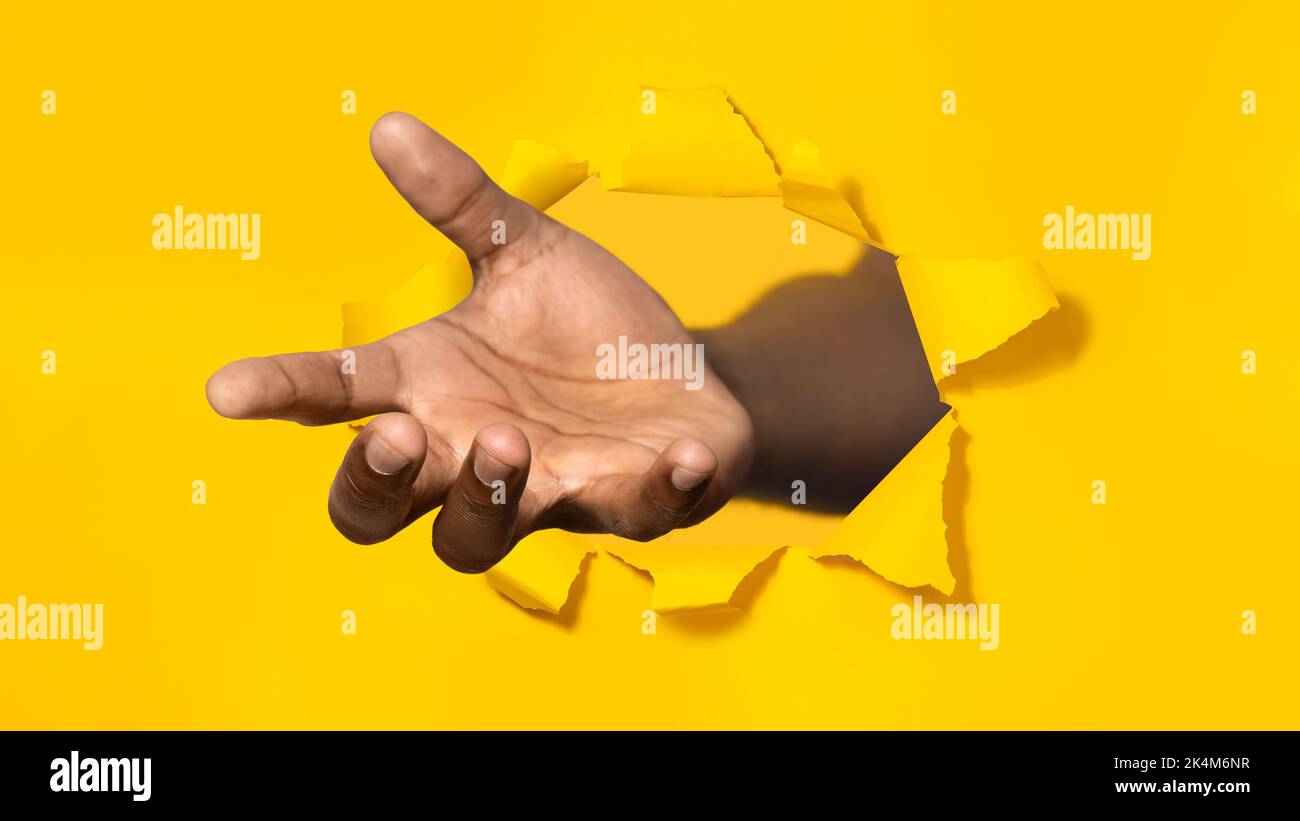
{"points": [[228, 614]]}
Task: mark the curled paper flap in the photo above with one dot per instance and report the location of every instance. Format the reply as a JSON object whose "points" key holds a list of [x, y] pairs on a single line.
{"points": [[540, 571], [690, 579], [695, 143], [435, 288], [692, 143], [965, 308], [806, 190], [540, 175], [898, 530]]}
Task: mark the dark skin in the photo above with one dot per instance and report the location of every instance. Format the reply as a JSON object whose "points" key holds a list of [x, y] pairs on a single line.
{"points": [[493, 411]]}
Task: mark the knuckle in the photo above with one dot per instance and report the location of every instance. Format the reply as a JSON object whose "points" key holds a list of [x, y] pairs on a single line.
{"points": [[361, 517], [350, 530], [667, 513], [449, 551], [481, 513], [465, 551], [637, 529]]}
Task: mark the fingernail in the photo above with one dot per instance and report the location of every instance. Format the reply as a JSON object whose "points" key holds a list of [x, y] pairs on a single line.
{"points": [[382, 458], [684, 479], [488, 468]]}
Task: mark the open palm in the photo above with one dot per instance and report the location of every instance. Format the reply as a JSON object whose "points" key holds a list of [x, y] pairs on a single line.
{"points": [[496, 410]]}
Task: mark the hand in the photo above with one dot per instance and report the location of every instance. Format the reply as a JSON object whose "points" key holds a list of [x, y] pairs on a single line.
{"points": [[494, 410]]}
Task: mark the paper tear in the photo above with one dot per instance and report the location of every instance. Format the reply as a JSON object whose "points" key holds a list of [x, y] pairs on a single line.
{"points": [[806, 190], [965, 308], [540, 175], [433, 289], [693, 143], [539, 573], [898, 530], [692, 579]]}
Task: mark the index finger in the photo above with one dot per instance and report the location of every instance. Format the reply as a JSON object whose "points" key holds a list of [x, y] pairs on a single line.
{"points": [[318, 388]]}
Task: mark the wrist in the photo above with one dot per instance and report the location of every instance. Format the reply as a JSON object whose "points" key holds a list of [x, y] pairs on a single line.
{"points": [[733, 363]]}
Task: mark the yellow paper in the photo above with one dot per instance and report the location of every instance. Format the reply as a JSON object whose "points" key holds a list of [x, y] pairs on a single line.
{"points": [[540, 175], [434, 289], [691, 579], [537, 174], [966, 308], [540, 571], [805, 189], [692, 143], [898, 530], [695, 143]]}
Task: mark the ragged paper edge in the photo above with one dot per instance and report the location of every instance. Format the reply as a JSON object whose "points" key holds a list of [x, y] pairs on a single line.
{"points": [[692, 580], [676, 153], [898, 530], [540, 175], [963, 309], [806, 189], [693, 143], [541, 571], [948, 300]]}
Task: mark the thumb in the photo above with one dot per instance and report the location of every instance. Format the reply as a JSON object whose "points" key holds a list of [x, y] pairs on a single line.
{"points": [[446, 187]]}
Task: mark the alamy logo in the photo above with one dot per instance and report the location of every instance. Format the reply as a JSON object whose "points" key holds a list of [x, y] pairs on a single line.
{"points": [[950, 621], [1098, 232], [680, 361], [53, 622], [77, 774], [179, 231]]}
